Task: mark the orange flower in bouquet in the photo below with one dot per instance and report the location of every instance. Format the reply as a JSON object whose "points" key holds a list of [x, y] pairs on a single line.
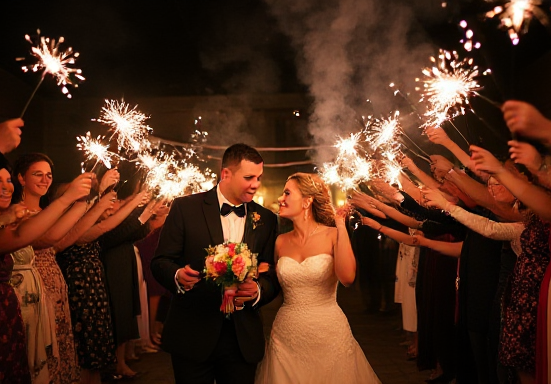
{"points": [[227, 265]]}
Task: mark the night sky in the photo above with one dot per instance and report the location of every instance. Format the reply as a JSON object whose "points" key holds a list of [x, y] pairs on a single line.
{"points": [[339, 52], [155, 48]]}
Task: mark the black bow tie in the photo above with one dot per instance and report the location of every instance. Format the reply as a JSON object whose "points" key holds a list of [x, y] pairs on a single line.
{"points": [[227, 209]]}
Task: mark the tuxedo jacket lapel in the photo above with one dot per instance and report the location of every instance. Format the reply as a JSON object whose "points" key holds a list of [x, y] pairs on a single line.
{"points": [[211, 210]]}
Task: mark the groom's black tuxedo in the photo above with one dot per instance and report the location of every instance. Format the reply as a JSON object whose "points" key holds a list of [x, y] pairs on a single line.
{"points": [[194, 322]]}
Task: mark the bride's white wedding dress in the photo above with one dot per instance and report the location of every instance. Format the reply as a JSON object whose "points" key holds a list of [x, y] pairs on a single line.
{"points": [[311, 341]]}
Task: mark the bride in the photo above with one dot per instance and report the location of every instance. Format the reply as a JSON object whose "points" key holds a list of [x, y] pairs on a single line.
{"points": [[311, 341]]}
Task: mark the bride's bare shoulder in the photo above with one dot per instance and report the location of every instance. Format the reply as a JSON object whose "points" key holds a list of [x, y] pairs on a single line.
{"points": [[282, 238]]}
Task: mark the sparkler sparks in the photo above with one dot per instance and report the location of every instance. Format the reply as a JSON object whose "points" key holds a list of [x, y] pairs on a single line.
{"points": [[450, 81], [128, 124], [351, 166], [169, 178], [55, 61], [383, 132], [95, 149], [516, 15]]}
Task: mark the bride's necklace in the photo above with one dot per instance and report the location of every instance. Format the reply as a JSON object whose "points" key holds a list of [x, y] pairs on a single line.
{"points": [[314, 231]]}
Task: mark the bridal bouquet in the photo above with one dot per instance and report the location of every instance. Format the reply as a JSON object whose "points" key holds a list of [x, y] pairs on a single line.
{"points": [[229, 264]]}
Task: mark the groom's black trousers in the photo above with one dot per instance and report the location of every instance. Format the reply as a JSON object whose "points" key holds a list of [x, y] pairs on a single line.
{"points": [[226, 364]]}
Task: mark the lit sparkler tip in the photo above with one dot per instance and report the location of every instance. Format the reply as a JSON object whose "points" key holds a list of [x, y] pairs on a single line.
{"points": [[55, 61], [128, 124], [95, 149], [515, 16]]}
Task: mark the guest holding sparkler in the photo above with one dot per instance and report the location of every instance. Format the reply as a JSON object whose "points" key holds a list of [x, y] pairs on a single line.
{"points": [[85, 277], [35, 305], [33, 177], [525, 120], [121, 273], [14, 363], [518, 338], [434, 288], [10, 135]]}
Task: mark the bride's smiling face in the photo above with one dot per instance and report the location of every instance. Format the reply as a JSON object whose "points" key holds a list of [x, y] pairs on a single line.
{"points": [[6, 189], [291, 203]]}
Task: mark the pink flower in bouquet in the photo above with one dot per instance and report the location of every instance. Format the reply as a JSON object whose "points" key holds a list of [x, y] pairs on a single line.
{"points": [[238, 265]]}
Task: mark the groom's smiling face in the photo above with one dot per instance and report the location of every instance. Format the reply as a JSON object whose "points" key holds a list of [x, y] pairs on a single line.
{"points": [[240, 183]]}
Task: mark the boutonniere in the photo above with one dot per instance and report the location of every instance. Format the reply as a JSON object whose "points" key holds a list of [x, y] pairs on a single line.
{"points": [[255, 219]]}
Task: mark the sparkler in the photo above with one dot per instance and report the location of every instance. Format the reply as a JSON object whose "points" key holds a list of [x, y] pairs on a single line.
{"points": [[449, 83], [351, 166], [516, 15], [95, 149], [170, 178], [383, 132], [128, 124], [468, 42], [55, 61]]}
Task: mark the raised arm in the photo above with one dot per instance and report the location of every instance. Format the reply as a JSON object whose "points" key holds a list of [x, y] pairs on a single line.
{"points": [[392, 233], [439, 136], [538, 165], [525, 120], [486, 227], [534, 197], [86, 222], [31, 229], [362, 200], [345, 262], [114, 220], [425, 179], [443, 247], [62, 226]]}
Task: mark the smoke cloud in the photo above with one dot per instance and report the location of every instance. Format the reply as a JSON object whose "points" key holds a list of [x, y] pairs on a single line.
{"points": [[349, 51]]}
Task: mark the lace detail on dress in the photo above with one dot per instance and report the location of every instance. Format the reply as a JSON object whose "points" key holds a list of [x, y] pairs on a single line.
{"points": [[311, 341]]}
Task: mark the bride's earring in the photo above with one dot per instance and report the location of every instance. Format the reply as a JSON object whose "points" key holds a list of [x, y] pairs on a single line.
{"points": [[22, 192], [306, 213]]}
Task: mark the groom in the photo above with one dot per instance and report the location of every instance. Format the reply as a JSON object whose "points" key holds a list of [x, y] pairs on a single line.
{"points": [[204, 345]]}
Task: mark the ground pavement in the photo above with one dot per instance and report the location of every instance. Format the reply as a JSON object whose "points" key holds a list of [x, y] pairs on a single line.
{"points": [[379, 336]]}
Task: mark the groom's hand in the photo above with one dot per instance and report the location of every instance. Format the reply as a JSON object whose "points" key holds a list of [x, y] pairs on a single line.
{"points": [[246, 291], [188, 277]]}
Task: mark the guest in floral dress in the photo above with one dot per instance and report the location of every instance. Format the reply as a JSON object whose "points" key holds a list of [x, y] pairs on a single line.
{"points": [[520, 304], [14, 366], [32, 179], [88, 295]]}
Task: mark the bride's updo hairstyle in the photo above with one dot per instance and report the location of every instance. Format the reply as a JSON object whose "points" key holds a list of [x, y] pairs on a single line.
{"points": [[310, 185]]}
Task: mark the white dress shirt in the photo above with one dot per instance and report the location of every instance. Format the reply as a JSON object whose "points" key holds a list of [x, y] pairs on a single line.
{"points": [[233, 226]]}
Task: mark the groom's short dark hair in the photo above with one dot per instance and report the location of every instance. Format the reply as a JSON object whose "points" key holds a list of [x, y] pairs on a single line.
{"points": [[238, 152]]}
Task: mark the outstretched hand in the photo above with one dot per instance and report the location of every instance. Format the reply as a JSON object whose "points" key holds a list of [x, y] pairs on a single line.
{"points": [[485, 161], [111, 177], [526, 154], [366, 202], [10, 134], [524, 119], [14, 214], [437, 135], [433, 198]]}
